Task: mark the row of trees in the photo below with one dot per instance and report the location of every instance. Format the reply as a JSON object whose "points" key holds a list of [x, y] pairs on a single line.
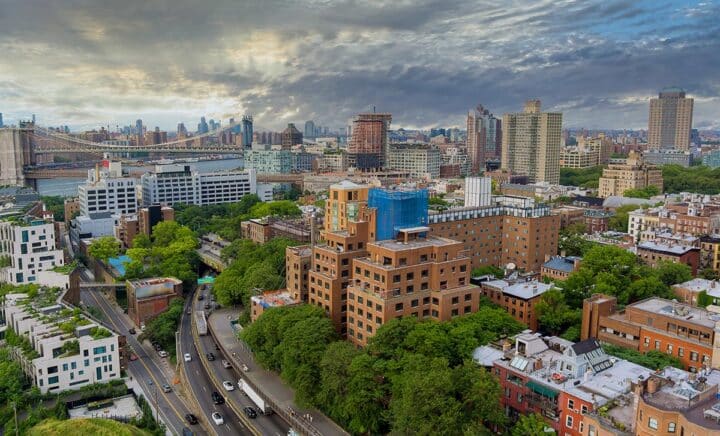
{"points": [[701, 179], [162, 328], [584, 177], [224, 219], [607, 270], [413, 377], [252, 268]]}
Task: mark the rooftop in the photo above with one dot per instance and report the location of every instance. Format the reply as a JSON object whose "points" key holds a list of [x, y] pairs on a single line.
{"points": [[148, 288], [665, 248], [273, 299], [433, 241], [698, 285], [678, 310], [524, 290], [559, 263]]}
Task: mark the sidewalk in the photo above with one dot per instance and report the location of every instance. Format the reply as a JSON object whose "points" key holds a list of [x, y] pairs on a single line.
{"points": [[272, 386]]}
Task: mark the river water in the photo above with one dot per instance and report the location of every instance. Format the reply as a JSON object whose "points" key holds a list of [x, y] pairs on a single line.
{"points": [[67, 186]]}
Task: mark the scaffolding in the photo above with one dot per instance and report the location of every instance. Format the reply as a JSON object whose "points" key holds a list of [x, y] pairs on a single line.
{"points": [[397, 209]]}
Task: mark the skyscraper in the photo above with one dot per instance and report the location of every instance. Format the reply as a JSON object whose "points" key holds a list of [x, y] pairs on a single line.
{"points": [[483, 138], [368, 145], [291, 136], [531, 143], [202, 126], [181, 130], [309, 129], [670, 120], [247, 130], [138, 127]]}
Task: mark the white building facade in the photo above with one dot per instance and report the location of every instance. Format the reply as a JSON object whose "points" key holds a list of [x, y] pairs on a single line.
{"points": [[171, 184], [106, 190], [30, 245], [64, 357], [478, 191]]}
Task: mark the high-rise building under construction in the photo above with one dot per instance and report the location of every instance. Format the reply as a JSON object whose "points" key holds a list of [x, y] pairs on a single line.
{"points": [[368, 147]]}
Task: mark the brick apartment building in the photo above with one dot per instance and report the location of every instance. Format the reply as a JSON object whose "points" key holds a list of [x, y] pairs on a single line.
{"points": [[559, 380], [141, 223], [413, 275], [597, 220], [559, 267], [148, 298], [652, 253], [512, 230], [517, 297], [677, 329], [297, 267]]}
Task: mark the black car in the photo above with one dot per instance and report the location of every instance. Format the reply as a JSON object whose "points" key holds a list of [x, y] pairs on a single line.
{"points": [[131, 331], [157, 346], [217, 398], [191, 419], [250, 412], [210, 356], [201, 297]]}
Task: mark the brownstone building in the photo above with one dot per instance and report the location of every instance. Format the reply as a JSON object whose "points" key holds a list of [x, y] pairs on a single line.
{"points": [[652, 324], [652, 253], [517, 298], [413, 275], [559, 267], [148, 298], [512, 230], [597, 220], [130, 225]]}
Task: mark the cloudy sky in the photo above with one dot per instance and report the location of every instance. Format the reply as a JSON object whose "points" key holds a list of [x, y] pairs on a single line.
{"points": [[96, 62]]}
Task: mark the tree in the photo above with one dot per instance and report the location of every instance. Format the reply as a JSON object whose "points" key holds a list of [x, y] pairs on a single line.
{"points": [[584, 177], [704, 300], [619, 222], [56, 205], [480, 395], [423, 401], [672, 273], [709, 274], [653, 359], [335, 379], [104, 248], [162, 328], [488, 270], [11, 377], [553, 314], [574, 245], [531, 425], [368, 396], [646, 192]]}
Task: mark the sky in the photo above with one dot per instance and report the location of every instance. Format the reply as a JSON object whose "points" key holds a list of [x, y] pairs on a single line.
{"points": [[87, 63]]}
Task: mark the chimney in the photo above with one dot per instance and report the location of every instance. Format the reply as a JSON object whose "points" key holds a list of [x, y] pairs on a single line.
{"points": [[653, 384], [562, 253]]}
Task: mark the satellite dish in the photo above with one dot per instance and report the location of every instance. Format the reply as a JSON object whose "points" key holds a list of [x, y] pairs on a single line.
{"points": [[511, 266]]}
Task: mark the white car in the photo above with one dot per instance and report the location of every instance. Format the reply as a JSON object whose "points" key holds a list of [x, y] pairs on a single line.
{"points": [[228, 386], [217, 418], [163, 353], [187, 357]]}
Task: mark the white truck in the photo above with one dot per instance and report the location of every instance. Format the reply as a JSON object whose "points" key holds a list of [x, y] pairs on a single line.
{"points": [[257, 399]]}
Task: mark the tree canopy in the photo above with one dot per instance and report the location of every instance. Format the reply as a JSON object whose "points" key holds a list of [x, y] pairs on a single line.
{"points": [[104, 248], [583, 177], [646, 192], [700, 179], [413, 377]]}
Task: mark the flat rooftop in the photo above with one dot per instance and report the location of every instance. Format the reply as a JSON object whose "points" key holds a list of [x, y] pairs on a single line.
{"points": [[678, 310], [698, 285], [524, 290], [433, 241], [273, 299], [146, 288], [665, 248]]}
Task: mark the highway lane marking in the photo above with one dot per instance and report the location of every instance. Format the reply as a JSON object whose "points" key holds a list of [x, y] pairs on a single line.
{"points": [[172, 406]]}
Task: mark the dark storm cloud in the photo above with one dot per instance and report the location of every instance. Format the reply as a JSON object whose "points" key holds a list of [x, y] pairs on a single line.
{"points": [[426, 61]]}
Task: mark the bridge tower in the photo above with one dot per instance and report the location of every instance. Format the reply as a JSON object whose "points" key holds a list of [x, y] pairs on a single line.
{"points": [[15, 152]]}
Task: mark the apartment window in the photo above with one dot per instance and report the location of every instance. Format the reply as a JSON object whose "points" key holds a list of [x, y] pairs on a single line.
{"points": [[424, 273], [569, 421], [402, 261], [435, 313], [455, 300], [693, 356], [681, 352], [657, 345], [398, 306], [467, 309], [571, 404], [581, 427], [414, 303], [454, 312], [647, 341], [652, 423], [671, 427], [592, 430], [396, 278], [53, 380], [583, 409], [468, 297], [426, 300]]}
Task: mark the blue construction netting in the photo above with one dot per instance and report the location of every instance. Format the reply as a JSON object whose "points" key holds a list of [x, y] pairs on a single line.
{"points": [[398, 210]]}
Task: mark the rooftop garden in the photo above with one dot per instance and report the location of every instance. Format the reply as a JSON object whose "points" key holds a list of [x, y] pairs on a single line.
{"points": [[100, 333], [70, 324], [66, 269], [70, 348], [15, 340]]}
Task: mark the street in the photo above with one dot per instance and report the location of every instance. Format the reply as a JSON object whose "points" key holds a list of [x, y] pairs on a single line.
{"points": [[149, 374]]}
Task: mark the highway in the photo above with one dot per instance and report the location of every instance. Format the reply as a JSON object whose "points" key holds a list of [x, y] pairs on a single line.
{"points": [[147, 371], [265, 425]]}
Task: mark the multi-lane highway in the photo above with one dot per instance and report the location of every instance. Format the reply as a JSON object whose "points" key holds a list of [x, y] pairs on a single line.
{"points": [[265, 425], [148, 372]]}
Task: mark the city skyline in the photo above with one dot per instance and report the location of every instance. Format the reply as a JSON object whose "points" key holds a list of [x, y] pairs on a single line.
{"points": [[597, 62]]}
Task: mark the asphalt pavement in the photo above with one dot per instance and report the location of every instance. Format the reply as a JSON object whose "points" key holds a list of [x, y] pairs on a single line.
{"points": [[151, 372], [272, 424]]}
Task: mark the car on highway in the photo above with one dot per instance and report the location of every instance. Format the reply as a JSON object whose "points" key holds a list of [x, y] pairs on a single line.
{"points": [[210, 356], [187, 357], [250, 412], [217, 418], [132, 331], [228, 386], [217, 398], [133, 357], [226, 364], [201, 297], [166, 388], [191, 419], [149, 382], [163, 353]]}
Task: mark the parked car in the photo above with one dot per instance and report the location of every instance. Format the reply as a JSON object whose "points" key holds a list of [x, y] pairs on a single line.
{"points": [[210, 356], [201, 297], [217, 418], [163, 353], [142, 327], [226, 364], [217, 398], [157, 346], [132, 331], [166, 388], [250, 412], [133, 357], [187, 357], [228, 386], [149, 382], [191, 419]]}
